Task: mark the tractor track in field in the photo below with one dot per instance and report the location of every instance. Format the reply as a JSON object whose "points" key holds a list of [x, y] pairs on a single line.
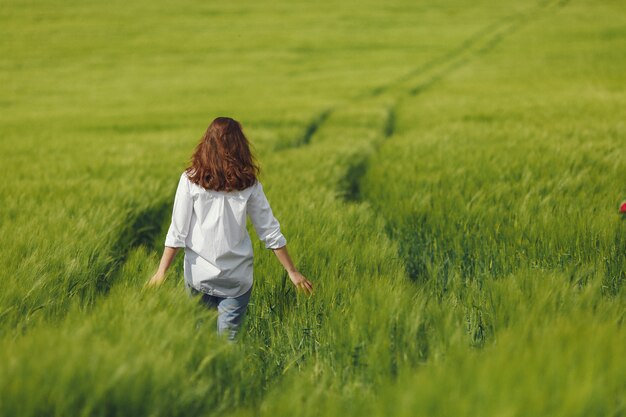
{"points": [[142, 226], [427, 66], [387, 98], [479, 43], [143, 229], [415, 82]]}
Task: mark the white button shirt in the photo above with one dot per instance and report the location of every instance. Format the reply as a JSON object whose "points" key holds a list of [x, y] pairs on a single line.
{"points": [[211, 226]]}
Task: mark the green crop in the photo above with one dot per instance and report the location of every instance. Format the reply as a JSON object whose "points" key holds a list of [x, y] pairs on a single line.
{"points": [[447, 175]]}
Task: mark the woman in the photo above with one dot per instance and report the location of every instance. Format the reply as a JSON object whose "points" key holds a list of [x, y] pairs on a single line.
{"points": [[214, 195]]}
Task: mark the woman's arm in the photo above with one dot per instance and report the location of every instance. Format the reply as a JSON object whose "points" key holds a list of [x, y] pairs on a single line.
{"points": [[178, 230], [268, 230], [169, 254], [296, 277]]}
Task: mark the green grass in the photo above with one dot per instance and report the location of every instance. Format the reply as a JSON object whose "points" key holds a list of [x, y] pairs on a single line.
{"points": [[446, 174]]}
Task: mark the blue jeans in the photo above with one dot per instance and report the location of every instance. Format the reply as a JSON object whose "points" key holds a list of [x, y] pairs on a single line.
{"points": [[230, 310]]}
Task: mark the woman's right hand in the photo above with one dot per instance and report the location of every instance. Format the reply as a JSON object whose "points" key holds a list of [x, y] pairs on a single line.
{"points": [[301, 282], [156, 280], [168, 256]]}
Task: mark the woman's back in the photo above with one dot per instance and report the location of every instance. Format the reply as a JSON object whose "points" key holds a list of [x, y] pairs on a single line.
{"points": [[211, 226]]}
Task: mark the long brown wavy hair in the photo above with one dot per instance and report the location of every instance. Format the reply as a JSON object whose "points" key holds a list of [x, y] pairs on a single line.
{"points": [[222, 161]]}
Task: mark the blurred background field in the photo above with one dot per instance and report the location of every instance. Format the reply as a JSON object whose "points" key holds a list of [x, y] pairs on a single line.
{"points": [[446, 173]]}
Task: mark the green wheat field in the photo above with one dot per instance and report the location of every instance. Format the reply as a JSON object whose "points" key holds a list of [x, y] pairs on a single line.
{"points": [[447, 174]]}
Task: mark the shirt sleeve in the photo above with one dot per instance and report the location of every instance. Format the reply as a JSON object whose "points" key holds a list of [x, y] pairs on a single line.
{"points": [[181, 215], [263, 220]]}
